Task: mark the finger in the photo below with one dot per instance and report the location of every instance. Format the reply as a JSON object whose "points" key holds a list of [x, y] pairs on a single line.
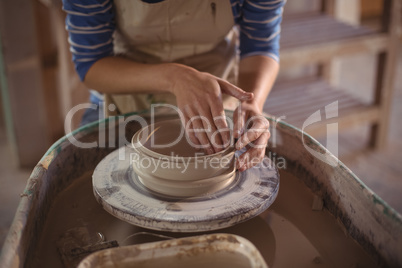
{"points": [[250, 158], [192, 139], [210, 129], [239, 117], [234, 91], [221, 124], [259, 127], [189, 127], [254, 155], [200, 133]]}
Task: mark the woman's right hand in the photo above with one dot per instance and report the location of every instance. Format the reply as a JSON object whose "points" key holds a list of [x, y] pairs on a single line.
{"points": [[199, 98], [198, 94]]}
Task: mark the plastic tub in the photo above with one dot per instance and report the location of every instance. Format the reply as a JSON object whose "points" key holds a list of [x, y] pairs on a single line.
{"points": [[213, 250]]}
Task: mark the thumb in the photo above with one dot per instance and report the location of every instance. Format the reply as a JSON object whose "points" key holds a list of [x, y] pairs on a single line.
{"points": [[234, 91], [239, 116]]}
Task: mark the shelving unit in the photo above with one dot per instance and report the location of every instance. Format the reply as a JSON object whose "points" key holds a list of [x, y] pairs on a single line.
{"points": [[300, 99], [316, 38]]}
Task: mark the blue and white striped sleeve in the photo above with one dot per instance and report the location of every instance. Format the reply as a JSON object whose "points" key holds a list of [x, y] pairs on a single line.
{"points": [[90, 25], [260, 26]]}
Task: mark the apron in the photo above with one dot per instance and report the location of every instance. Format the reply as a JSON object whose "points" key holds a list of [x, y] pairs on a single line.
{"points": [[196, 33]]}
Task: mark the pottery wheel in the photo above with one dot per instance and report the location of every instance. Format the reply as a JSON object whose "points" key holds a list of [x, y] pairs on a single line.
{"points": [[119, 191]]}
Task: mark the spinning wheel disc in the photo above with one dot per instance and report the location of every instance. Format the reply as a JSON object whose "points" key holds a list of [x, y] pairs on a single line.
{"points": [[120, 192]]}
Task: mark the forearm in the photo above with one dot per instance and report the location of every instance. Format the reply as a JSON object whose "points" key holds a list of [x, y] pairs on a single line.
{"points": [[119, 75], [257, 74]]}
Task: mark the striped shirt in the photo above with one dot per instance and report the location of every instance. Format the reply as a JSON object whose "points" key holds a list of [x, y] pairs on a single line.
{"points": [[90, 25]]}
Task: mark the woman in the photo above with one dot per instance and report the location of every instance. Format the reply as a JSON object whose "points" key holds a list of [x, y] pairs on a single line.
{"points": [[187, 52]]}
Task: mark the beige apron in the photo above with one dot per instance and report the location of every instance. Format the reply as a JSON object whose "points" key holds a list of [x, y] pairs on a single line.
{"points": [[197, 33]]}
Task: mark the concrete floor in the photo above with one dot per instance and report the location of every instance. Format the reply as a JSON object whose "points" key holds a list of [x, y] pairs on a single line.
{"points": [[364, 164]]}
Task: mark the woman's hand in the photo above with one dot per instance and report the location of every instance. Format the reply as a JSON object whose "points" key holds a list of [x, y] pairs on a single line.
{"points": [[199, 98], [251, 129]]}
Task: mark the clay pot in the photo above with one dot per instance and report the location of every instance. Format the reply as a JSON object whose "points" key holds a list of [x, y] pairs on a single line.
{"points": [[167, 163]]}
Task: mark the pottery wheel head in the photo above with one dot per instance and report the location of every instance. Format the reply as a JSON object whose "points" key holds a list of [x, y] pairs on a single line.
{"points": [[117, 187]]}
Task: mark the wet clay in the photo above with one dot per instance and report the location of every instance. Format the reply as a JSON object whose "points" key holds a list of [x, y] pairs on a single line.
{"points": [[167, 163], [288, 234], [169, 132]]}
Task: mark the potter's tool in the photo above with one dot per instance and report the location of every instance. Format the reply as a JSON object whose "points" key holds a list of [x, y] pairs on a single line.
{"points": [[118, 189]]}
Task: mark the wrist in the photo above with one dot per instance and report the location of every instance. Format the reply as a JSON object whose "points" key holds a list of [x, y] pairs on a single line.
{"points": [[175, 73], [254, 105], [167, 78]]}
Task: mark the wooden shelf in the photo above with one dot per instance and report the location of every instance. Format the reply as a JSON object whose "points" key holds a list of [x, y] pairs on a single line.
{"points": [[318, 37], [296, 101]]}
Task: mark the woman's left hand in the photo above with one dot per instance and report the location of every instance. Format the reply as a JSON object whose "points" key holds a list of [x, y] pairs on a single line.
{"points": [[251, 129]]}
